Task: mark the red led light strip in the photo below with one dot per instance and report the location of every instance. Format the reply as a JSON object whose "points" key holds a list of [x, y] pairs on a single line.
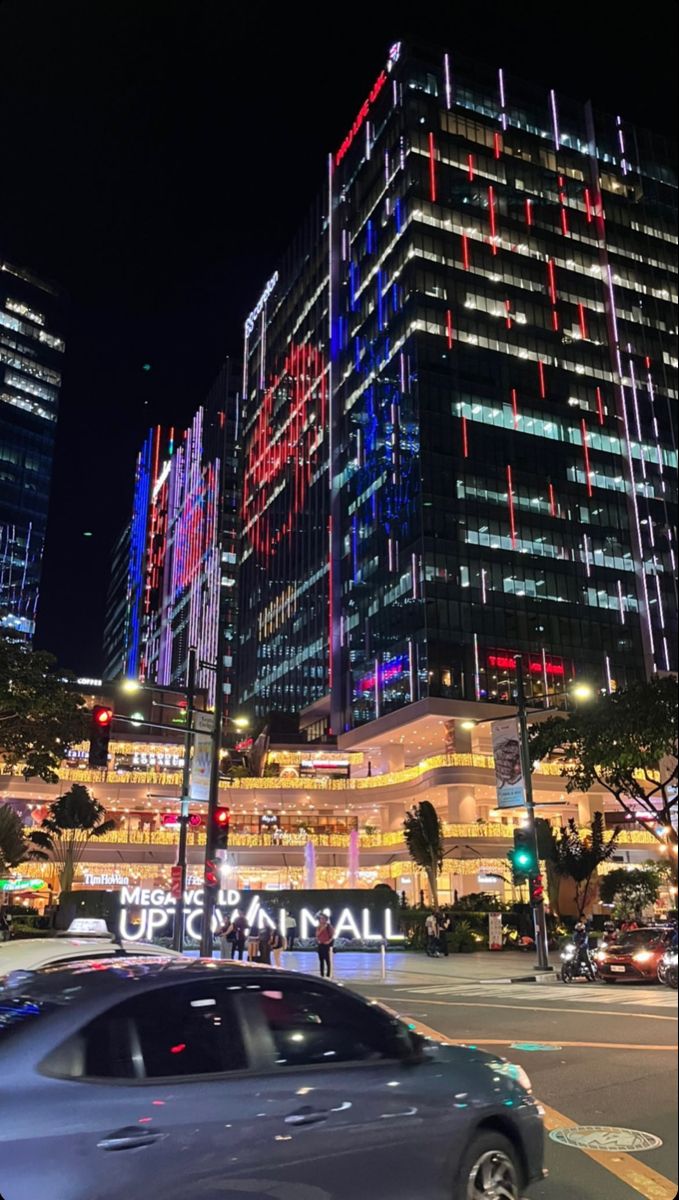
{"points": [[432, 168], [510, 501], [582, 319], [465, 251], [491, 218], [600, 405], [449, 328], [515, 409]]}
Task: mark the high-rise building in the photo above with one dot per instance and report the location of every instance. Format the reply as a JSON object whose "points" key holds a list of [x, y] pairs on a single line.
{"points": [[31, 354], [176, 592], [458, 440]]}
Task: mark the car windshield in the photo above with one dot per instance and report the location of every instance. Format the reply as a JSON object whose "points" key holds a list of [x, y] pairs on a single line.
{"points": [[641, 937]]}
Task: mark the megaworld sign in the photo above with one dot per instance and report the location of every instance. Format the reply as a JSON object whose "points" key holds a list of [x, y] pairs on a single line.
{"points": [[146, 913]]}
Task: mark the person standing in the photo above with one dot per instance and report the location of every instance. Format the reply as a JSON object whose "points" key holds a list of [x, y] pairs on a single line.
{"points": [[443, 922], [240, 928], [226, 940], [290, 931], [325, 936], [277, 945], [253, 945], [265, 940], [432, 932]]}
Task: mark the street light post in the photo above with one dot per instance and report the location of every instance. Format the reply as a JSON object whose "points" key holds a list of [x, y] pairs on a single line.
{"points": [[539, 918], [178, 937]]}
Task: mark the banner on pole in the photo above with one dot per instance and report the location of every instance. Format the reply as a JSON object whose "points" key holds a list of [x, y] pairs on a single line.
{"points": [[509, 781], [201, 763]]}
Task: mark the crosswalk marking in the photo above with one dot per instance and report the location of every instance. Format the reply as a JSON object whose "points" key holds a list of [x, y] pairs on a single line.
{"points": [[574, 994]]}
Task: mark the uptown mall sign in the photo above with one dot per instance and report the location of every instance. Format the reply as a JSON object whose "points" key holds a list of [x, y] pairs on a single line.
{"points": [[146, 913]]}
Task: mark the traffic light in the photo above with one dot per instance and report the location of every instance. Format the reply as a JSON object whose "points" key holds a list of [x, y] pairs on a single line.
{"points": [[523, 857], [211, 874], [222, 819], [100, 733], [537, 891]]}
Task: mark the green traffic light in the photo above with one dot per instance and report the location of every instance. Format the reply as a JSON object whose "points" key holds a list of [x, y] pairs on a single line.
{"points": [[523, 858]]}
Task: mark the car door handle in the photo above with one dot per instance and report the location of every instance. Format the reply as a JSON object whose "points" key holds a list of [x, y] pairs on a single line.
{"points": [[130, 1138], [307, 1116]]}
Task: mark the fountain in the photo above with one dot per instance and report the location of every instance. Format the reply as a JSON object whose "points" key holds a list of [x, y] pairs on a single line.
{"points": [[309, 865], [352, 858]]}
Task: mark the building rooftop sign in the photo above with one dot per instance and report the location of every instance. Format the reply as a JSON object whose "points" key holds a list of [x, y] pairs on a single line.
{"points": [[250, 321]]}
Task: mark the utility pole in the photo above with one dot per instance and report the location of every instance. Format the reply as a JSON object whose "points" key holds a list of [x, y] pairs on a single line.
{"points": [[538, 907], [209, 889], [178, 938]]}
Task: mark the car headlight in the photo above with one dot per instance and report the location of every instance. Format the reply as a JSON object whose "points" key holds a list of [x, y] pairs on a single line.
{"points": [[600, 956], [642, 956], [512, 1071]]}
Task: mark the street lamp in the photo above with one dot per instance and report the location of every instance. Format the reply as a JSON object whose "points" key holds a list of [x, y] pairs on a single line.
{"points": [[582, 691], [131, 686]]}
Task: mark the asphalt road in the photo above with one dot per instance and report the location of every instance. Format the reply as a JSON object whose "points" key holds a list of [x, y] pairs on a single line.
{"points": [[626, 1078]]}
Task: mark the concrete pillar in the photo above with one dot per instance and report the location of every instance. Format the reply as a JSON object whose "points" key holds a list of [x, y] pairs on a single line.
{"points": [[461, 804], [392, 757], [587, 806], [392, 814]]}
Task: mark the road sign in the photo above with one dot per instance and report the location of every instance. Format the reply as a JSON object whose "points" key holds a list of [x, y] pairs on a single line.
{"points": [[176, 882], [204, 722], [201, 764]]}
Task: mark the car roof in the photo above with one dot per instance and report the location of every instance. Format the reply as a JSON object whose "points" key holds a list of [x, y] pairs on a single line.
{"points": [[32, 953]]}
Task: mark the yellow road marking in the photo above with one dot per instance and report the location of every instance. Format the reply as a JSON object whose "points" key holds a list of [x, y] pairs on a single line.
{"points": [[637, 1175], [595, 1012]]}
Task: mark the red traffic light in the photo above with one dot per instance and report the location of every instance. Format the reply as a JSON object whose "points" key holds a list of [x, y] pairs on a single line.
{"points": [[170, 818], [222, 816], [101, 715], [537, 891]]}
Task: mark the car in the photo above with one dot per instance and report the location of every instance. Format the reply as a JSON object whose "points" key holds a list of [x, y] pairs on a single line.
{"points": [[198, 1079], [84, 938], [634, 956]]}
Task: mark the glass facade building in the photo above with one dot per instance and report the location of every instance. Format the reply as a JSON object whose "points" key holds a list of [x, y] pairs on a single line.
{"points": [[177, 592], [489, 295], [31, 355]]}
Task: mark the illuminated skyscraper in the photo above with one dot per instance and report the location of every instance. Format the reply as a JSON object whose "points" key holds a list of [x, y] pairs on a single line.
{"points": [[457, 432], [31, 355], [185, 486]]}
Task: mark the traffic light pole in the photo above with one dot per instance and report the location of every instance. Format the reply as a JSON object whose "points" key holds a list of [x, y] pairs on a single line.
{"points": [[178, 938], [539, 918]]}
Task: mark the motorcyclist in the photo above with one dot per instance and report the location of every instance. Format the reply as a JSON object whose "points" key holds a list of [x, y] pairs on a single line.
{"points": [[581, 942]]}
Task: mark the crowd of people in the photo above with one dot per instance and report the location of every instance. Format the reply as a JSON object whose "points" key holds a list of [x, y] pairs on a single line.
{"points": [[266, 945]]}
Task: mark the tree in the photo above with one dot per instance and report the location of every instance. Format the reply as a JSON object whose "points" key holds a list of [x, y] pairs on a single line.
{"points": [[16, 846], [41, 717], [578, 853], [73, 820], [627, 743], [633, 890], [424, 839]]}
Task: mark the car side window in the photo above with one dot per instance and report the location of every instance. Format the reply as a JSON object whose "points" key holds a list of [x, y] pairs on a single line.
{"points": [[310, 1024], [190, 1029]]}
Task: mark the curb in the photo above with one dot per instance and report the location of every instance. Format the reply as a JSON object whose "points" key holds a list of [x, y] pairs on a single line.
{"points": [[536, 977]]}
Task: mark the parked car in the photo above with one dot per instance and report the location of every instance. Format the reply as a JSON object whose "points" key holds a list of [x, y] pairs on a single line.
{"points": [[667, 968], [190, 1079], [85, 938], [634, 956]]}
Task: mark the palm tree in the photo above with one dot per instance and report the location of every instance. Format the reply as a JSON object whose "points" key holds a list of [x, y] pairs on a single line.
{"points": [[16, 846], [73, 820], [424, 839]]}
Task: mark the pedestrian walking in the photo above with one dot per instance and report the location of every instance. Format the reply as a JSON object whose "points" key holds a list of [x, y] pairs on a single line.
{"points": [[290, 931], [265, 939], [325, 936], [253, 945], [240, 928], [277, 947]]}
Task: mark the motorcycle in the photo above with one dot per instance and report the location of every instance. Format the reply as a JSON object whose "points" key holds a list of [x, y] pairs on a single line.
{"points": [[573, 968], [667, 969]]}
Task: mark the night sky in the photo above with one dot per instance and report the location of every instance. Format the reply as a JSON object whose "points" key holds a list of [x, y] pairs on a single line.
{"points": [[155, 158]]}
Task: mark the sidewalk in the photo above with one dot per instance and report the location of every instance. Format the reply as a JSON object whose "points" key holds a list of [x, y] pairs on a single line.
{"points": [[484, 966]]}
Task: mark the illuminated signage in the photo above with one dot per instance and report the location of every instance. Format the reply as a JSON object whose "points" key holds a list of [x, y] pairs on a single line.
{"points": [[109, 879], [505, 662], [361, 116], [250, 321], [21, 885], [155, 907]]}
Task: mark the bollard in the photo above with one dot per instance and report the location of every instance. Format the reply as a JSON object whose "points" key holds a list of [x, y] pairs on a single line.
{"points": [[383, 960]]}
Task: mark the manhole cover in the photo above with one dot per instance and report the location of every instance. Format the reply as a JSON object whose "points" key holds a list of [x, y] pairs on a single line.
{"points": [[606, 1137], [534, 1046]]}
